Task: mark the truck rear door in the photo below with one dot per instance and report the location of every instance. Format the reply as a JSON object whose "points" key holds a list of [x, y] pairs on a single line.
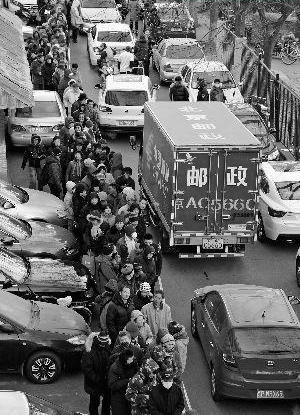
{"points": [[215, 190]]}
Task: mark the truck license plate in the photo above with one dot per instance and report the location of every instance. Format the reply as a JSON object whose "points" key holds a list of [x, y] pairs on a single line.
{"points": [[270, 394], [126, 122], [213, 243]]}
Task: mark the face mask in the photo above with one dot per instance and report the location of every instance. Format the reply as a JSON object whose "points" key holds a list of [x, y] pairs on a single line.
{"points": [[167, 385]]}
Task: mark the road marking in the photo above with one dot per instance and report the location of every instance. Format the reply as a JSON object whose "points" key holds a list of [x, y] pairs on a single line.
{"points": [[186, 396]]}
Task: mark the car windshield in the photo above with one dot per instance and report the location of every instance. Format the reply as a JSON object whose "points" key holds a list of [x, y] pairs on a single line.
{"points": [[267, 340], [168, 13], [184, 51], [209, 77], [42, 109], [15, 309], [126, 98], [254, 125], [12, 193], [110, 36], [98, 4], [288, 190]]}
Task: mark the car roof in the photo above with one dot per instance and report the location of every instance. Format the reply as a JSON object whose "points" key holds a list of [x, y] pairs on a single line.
{"points": [[251, 305], [127, 82], [40, 95], [13, 403], [208, 66], [280, 171], [180, 41], [96, 3], [240, 108], [106, 27]]}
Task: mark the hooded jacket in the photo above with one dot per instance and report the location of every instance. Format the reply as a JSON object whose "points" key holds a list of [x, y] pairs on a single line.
{"points": [[178, 92], [33, 155], [149, 265], [95, 365], [102, 301], [118, 315]]}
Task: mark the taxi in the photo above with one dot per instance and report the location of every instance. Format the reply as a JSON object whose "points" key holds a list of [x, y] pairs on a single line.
{"points": [[121, 102]]}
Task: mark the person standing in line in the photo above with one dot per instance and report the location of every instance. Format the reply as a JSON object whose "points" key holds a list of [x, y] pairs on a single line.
{"points": [[95, 366], [33, 154], [76, 20], [216, 92], [178, 91], [157, 313]]}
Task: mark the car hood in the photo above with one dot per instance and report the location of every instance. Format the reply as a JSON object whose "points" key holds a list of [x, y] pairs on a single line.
{"points": [[40, 122], [178, 63], [39, 204], [290, 206], [100, 14], [58, 319]]}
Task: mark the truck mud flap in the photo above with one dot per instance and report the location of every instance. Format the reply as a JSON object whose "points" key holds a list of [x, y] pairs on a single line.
{"points": [[215, 255]]}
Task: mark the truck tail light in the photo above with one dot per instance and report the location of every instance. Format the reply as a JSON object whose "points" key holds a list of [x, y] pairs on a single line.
{"points": [[276, 213], [104, 108]]}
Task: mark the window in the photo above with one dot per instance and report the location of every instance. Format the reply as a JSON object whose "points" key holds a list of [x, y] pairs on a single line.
{"points": [[211, 303], [117, 36], [42, 109], [126, 98], [219, 317], [263, 184], [209, 76], [184, 51]]}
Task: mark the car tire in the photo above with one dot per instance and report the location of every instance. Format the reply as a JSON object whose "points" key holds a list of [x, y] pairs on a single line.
{"points": [[43, 367], [194, 329], [298, 271], [214, 388], [261, 234]]}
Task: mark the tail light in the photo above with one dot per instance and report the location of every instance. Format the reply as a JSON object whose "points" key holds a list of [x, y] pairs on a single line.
{"points": [[57, 127], [18, 128], [104, 108], [276, 213], [229, 360], [167, 68]]}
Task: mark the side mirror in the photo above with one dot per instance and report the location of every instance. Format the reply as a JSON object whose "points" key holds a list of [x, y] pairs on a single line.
{"points": [[132, 142]]}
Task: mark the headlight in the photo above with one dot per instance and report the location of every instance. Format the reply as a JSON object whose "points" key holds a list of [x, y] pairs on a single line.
{"points": [[77, 340], [276, 213]]}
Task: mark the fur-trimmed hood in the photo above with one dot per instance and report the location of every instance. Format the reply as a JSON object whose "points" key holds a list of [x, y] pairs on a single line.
{"points": [[89, 341]]}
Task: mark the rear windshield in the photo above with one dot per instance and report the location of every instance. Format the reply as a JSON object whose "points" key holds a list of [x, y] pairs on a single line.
{"points": [[267, 340], [209, 77], [126, 98], [254, 125], [288, 190], [98, 4], [42, 109], [184, 52], [114, 36]]}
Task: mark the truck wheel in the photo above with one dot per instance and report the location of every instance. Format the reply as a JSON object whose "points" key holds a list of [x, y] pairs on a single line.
{"points": [[261, 235]]}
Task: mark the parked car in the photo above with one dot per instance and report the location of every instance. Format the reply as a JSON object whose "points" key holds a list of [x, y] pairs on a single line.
{"points": [[21, 403], [45, 119], [121, 103], [172, 54], [35, 238], [254, 122], [30, 204], [116, 36], [279, 201], [39, 339], [175, 21], [98, 11], [209, 71], [251, 340]]}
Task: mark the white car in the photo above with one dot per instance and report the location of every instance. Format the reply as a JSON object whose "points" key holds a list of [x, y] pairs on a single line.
{"points": [[172, 54], [279, 201], [45, 119], [116, 36], [121, 103], [98, 11], [209, 71]]}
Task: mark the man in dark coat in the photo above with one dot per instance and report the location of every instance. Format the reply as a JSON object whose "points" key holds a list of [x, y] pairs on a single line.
{"points": [[178, 91], [148, 241], [67, 132], [53, 172], [33, 154], [216, 92], [125, 180], [47, 71], [102, 302], [203, 94], [143, 296], [166, 397], [118, 312], [120, 372], [95, 366], [104, 267]]}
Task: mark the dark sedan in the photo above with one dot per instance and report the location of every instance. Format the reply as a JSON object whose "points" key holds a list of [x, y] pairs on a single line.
{"points": [[251, 340], [35, 238], [39, 339]]}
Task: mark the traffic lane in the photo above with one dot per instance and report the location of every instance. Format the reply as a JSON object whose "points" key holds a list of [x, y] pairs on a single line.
{"points": [[271, 265]]}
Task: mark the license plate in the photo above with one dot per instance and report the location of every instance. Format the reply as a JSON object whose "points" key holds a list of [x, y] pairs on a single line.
{"points": [[212, 243], [38, 129], [270, 394], [127, 123]]}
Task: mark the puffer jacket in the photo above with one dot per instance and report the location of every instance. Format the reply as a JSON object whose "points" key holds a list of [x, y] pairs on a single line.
{"points": [[178, 92], [118, 315]]}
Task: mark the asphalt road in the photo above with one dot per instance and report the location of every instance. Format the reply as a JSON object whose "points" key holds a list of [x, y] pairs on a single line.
{"points": [[270, 264]]}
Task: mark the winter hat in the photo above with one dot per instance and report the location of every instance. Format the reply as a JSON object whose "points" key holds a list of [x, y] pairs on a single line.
{"points": [[119, 218], [174, 327], [108, 249], [94, 195], [127, 269], [135, 314], [122, 334], [129, 192], [132, 329], [103, 338], [111, 285], [133, 219], [72, 82], [160, 334], [104, 227], [70, 186], [167, 338], [129, 230], [69, 120], [102, 196], [145, 286]]}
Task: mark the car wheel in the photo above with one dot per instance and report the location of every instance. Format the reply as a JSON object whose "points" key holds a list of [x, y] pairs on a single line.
{"points": [[298, 270], [43, 367], [261, 234], [194, 329], [214, 388]]}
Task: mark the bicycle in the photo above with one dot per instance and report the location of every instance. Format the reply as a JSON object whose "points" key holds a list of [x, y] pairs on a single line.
{"points": [[288, 52]]}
